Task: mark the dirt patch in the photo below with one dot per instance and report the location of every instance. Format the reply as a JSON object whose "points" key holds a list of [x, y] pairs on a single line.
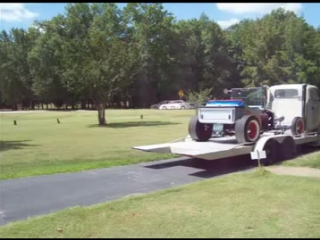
{"points": [[295, 171]]}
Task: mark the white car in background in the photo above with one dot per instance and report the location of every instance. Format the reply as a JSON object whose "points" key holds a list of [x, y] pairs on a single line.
{"points": [[177, 104]]}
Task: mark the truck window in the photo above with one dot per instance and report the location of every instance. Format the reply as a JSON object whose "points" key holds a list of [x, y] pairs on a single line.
{"points": [[286, 93]]}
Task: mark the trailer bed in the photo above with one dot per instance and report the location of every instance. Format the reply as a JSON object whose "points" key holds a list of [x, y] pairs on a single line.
{"points": [[210, 150], [222, 147]]}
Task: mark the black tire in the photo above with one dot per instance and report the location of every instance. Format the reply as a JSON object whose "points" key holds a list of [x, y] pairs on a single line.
{"points": [[297, 126], [199, 131], [271, 148], [287, 149], [164, 108], [183, 107], [245, 126]]}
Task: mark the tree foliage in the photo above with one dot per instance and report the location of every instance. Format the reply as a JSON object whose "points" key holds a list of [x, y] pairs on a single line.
{"points": [[199, 98], [139, 55]]}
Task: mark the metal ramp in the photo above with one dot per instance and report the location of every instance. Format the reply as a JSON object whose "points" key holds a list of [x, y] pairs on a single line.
{"points": [[215, 148]]}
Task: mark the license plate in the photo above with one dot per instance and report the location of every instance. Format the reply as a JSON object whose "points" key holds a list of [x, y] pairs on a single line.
{"points": [[217, 127]]}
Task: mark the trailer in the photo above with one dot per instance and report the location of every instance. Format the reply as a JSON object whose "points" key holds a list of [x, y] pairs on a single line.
{"points": [[269, 148], [300, 113]]}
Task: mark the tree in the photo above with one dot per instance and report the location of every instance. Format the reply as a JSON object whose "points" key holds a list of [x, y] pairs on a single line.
{"points": [[46, 62], [15, 76], [199, 98], [275, 49], [152, 34], [141, 54], [107, 60]]}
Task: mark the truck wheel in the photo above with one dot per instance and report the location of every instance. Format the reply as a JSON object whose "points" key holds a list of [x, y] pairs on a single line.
{"points": [[297, 126], [271, 148], [247, 129], [199, 131]]}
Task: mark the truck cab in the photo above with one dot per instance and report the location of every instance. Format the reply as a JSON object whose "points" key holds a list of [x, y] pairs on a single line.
{"points": [[296, 100]]}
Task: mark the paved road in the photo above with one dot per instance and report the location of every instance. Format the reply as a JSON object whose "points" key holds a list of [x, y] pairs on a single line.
{"points": [[28, 197]]}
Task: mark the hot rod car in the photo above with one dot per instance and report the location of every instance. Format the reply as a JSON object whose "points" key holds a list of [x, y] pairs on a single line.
{"points": [[251, 111]]}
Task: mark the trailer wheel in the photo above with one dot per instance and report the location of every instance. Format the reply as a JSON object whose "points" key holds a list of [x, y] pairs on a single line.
{"points": [[247, 129], [199, 131], [288, 149], [297, 126], [271, 148]]}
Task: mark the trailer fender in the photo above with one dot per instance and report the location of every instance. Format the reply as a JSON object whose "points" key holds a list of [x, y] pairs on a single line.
{"points": [[277, 148], [262, 141]]}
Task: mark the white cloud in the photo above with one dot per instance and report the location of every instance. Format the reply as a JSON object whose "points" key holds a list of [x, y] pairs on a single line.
{"points": [[228, 23], [258, 8], [15, 12]]}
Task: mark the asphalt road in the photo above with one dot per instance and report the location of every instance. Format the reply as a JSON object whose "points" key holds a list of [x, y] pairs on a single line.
{"points": [[34, 196]]}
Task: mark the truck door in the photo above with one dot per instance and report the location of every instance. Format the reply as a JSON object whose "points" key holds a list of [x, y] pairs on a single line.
{"points": [[313, 113]]}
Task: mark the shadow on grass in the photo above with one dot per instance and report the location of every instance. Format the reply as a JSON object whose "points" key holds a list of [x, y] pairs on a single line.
{"points": [[308, 149], [134, 124], [305, 150], [14, 145]]}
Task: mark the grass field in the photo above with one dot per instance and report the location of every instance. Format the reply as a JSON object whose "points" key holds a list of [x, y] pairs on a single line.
{"points": [[246, 205], [38, 145], [309, 160]]}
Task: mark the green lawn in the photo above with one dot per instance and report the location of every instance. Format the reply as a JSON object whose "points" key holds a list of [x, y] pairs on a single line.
{"points": [[308, 160], [246, 205], [39, 145]]}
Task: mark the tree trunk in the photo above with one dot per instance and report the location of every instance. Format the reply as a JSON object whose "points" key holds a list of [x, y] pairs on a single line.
{"points": [[101, 113], [83, 105], [14, 106]]}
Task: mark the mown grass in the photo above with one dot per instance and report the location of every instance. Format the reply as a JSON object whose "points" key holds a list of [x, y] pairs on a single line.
{"points": [[257, 204], [38, 145]]}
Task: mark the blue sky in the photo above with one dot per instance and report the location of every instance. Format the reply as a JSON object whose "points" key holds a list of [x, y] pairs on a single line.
{"points": [[22, 15]]}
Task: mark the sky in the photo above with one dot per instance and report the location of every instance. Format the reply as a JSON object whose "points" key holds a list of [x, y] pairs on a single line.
{"points": [[22, 15]]}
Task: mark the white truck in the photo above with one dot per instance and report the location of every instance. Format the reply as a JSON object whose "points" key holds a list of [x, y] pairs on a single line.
{"points": [[268, 123]]}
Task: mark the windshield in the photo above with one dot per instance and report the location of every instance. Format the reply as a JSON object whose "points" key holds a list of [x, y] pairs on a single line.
{"points": [[250, 96]]}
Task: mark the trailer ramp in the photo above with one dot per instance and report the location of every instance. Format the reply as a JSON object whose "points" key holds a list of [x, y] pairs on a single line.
{"points": [[210, 150]]}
